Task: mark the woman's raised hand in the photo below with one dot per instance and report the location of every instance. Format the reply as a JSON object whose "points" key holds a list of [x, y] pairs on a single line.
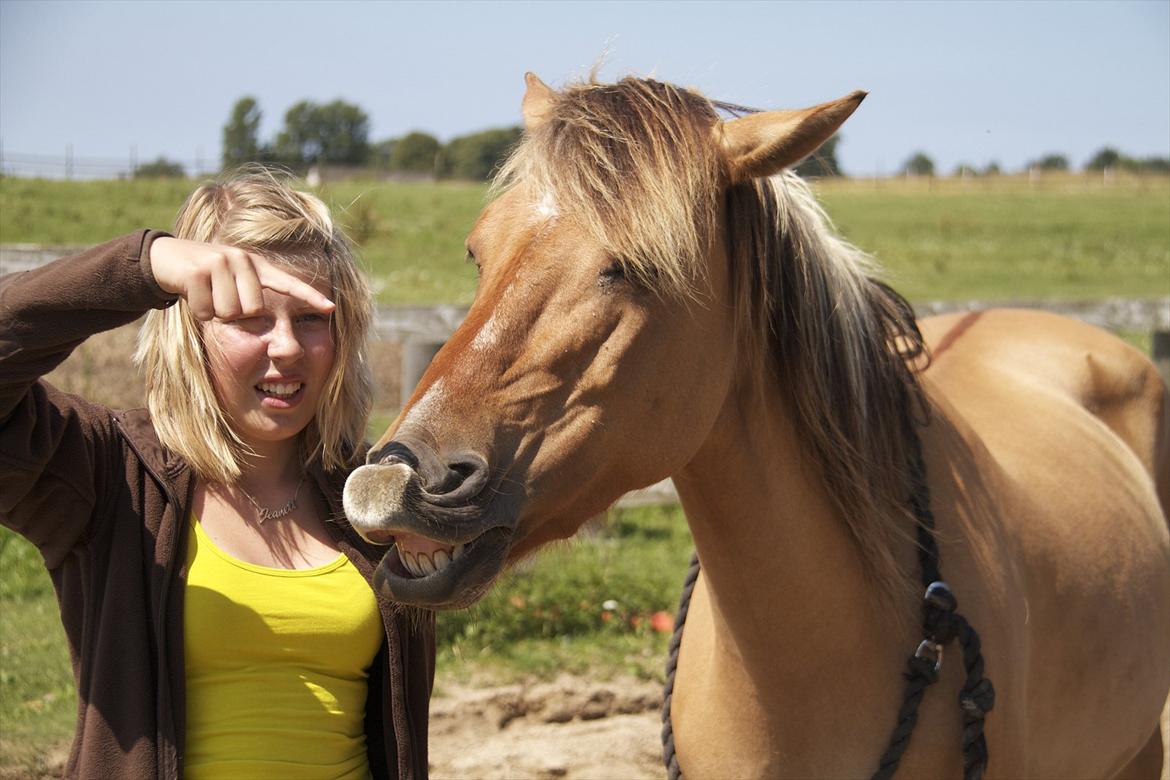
{"points": [[223, 281]]}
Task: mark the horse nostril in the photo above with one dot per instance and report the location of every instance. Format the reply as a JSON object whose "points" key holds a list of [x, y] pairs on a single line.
{"points": [[446, 479], [465, 476], [394, 452], [463, 468]]}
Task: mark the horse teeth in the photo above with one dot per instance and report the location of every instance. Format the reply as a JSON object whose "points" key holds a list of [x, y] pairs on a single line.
{"points": [[425, 564], [408, 561], [420, 564]]}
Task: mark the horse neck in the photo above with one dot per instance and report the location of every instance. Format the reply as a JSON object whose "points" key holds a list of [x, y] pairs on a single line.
{"points": [[785, 579]]}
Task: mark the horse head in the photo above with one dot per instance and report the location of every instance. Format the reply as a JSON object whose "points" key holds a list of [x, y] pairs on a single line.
{"points": [[602, 342]]}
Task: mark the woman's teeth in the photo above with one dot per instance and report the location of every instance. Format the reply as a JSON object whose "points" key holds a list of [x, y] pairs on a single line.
{"points": [[421, 564], [279, 388]]}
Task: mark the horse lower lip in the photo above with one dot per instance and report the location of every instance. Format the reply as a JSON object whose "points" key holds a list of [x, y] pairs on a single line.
{"points": [[459, 584]]}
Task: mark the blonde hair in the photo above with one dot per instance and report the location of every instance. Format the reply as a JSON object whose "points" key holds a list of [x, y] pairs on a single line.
{"points": [[256, 209]]}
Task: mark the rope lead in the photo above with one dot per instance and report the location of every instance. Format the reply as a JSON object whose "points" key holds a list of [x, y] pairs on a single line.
{"points": [[941, 623]]}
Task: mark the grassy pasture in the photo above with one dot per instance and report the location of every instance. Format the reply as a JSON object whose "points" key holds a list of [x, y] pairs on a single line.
{"points": [[998, 239], [1065, 237]]}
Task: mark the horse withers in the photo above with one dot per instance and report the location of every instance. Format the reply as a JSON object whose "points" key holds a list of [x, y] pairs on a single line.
{"points": [[658, 297]]}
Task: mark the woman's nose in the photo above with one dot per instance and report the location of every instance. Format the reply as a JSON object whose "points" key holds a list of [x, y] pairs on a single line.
{"points": [[283, 342]]}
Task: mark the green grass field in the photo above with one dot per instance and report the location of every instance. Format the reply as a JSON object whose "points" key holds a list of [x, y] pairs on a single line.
{"points": [[1071, 238], [991, 239], [958, 243]]}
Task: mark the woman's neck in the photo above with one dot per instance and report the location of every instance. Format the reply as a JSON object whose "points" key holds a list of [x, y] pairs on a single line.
{"points": [[272, 463]]}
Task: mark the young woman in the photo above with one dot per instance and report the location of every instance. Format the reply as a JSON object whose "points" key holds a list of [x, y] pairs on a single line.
{"points": [[217, 605]]}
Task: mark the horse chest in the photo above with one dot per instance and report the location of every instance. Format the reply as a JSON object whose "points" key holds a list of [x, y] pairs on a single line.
{"points": [[734, 716]]}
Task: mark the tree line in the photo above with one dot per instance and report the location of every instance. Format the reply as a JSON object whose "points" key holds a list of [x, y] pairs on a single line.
{"points": [[1107, 158], [337, 133]]}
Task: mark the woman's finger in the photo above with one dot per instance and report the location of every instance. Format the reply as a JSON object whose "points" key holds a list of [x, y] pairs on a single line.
{"points": [[224, 294], [281, 281], [197, 291], [247, 282]]}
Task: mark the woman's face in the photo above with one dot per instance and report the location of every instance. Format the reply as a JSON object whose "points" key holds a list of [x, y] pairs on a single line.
{"points": [[270, 370]]}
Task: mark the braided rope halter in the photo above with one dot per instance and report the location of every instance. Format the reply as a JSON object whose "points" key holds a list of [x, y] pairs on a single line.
{"points": [[941, 622]]}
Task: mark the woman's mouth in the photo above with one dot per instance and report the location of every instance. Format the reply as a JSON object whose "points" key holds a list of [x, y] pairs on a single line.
{"points": [[280, 395]]}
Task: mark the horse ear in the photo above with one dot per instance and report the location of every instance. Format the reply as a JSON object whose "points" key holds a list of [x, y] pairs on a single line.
{"points": [[538, 100], [766, 143]]}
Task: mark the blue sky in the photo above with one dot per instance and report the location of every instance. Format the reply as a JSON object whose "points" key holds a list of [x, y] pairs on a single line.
{"points": [[970, 82]]}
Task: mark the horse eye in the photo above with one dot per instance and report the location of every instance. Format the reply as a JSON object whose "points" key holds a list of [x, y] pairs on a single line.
{"points": [[614, 272], [471, 258]]}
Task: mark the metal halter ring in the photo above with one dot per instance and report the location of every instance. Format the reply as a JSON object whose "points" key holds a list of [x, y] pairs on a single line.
{"points": [[931, 651]]}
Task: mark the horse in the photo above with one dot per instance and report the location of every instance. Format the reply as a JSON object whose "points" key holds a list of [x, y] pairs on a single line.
{"points": [[659, 296]]}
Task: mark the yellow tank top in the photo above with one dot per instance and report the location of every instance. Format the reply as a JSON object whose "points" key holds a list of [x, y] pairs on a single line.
{"points": [[276, 663]]}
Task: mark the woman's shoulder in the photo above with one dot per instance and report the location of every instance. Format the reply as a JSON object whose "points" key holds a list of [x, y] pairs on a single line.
{"points": [[137, 428]]}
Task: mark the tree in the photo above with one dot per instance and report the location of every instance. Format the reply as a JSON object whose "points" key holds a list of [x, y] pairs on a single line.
{"points": [[335, 133], [822, 162], [241, 142], [963, 170], [919, 165], [992, 169], [477, 156], [414, 153], [162, 168], [1155, 165], [1107, 157], [1050, 162]]}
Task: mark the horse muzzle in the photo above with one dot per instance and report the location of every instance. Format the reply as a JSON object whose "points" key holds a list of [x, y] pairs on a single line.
{"points": [[463, 522]]}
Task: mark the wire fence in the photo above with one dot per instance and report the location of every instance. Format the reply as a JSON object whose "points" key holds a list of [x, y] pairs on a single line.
{"points": [[71, 166]]}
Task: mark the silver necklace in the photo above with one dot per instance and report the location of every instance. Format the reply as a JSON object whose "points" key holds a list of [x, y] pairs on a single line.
{"points": [[266, 514]]}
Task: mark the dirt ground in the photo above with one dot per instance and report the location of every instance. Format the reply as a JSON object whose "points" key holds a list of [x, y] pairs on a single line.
{"points": [[570, 728]]}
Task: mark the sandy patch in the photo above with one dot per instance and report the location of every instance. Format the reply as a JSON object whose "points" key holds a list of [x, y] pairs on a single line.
{"points": [[570, 728]]}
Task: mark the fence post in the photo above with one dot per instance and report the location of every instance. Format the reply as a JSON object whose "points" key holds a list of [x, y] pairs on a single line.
{"points": [[1160, 352], [416, 356]]}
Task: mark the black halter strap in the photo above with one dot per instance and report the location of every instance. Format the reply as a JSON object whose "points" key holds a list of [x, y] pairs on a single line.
{"points": [[941, 623]]}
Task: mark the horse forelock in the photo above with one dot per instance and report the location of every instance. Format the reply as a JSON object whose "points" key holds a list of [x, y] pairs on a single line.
{"points": [[633, 164]]}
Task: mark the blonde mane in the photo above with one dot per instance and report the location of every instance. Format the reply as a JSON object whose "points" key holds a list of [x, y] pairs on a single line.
{"points": [[636, 164], [844, 347]]}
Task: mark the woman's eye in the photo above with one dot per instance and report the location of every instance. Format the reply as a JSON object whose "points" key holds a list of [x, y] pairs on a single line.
{"points": [[314, 320], [256, 324]]}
